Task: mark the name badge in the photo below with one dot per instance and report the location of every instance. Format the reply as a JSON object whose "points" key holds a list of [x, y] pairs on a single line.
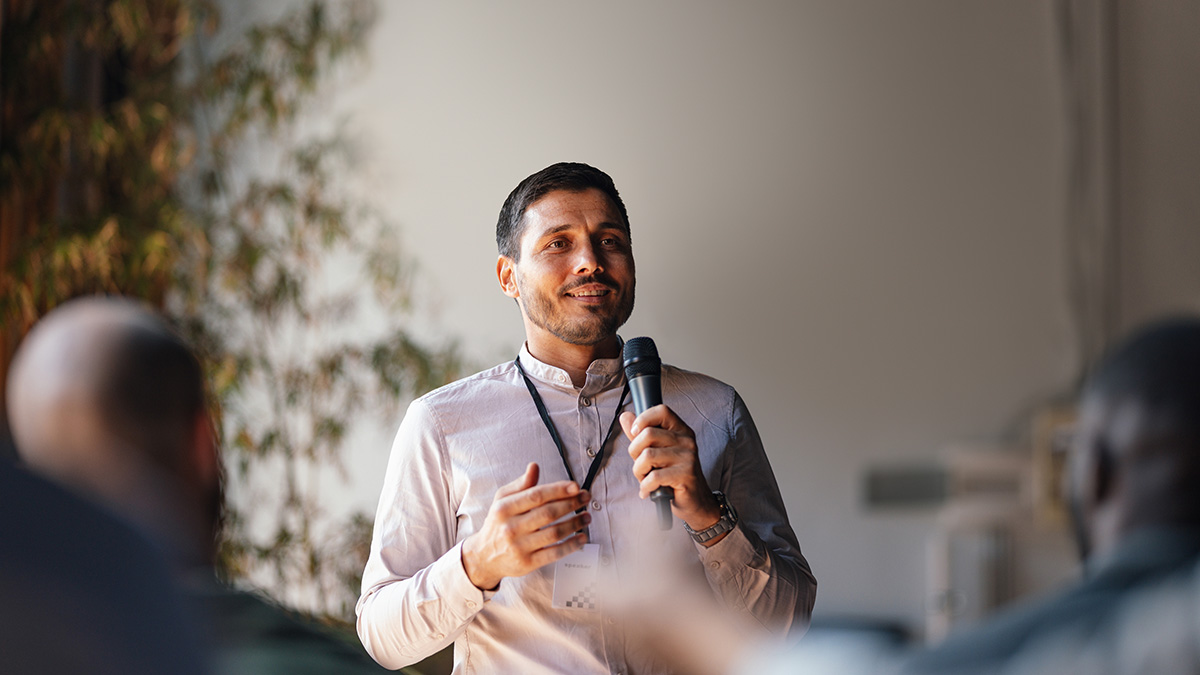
{"points": [[575, 579]]}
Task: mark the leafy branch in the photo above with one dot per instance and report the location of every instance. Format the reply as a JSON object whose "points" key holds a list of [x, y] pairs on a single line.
{"points": [[139, 157]]}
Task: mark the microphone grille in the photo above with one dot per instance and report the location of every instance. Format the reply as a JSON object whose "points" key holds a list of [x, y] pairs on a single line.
{"points": [[641, 358]]}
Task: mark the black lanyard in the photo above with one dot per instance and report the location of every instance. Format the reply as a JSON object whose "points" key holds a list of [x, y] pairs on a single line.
{"points": [[562, 451]]}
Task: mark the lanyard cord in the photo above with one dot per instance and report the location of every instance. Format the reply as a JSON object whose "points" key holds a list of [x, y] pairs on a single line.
{"points": [[562, 451]]}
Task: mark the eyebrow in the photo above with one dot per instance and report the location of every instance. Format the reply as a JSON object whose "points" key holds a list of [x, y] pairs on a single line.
{"points": [[570, 226]]}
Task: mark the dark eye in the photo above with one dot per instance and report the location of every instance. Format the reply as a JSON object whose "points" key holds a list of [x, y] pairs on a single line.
{"points": [[557, 243], [610, 241]]}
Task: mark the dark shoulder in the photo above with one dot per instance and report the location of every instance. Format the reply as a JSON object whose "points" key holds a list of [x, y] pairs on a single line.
{"points": [[251, 634], [998, 638], [72, 573]]}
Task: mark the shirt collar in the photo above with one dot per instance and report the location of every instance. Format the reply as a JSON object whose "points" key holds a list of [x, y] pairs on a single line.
{"points": [[602, 374], [1149, 549]]}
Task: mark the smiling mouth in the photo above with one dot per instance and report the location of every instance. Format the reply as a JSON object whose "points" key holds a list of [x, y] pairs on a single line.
{"points": [[589, 294]]}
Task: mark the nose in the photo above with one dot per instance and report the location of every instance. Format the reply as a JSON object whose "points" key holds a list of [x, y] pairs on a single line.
{"points": [[586, 260]]}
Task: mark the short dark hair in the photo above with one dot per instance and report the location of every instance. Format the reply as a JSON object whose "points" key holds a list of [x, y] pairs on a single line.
{"points": [[570, 176], [1157, 369]]}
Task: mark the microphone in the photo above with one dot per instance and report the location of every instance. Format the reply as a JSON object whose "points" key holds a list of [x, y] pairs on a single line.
{"points": [[643, 371]]}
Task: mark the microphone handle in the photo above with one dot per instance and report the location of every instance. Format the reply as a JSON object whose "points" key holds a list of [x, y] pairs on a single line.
{"points": [[647, 393], [663, 496]]}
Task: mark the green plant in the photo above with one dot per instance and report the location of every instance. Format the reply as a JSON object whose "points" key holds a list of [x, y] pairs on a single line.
{"points": [[139, 158]]}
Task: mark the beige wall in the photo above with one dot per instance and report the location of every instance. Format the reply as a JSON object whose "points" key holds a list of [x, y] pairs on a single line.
{"points": [[1158, 117], [850, 211]]}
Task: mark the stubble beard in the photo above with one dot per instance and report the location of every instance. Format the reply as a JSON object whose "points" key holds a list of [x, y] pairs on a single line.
{"points": [[600, 325]]}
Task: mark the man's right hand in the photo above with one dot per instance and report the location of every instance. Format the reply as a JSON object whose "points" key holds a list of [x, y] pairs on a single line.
{"points": [[520, 533]]}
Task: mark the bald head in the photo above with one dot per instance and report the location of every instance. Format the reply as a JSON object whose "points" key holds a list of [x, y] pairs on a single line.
{"points": [[1138, 443], [105, 398]]}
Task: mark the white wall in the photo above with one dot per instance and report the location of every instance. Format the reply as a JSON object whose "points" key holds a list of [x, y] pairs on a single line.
{"points": [[850, 211]]}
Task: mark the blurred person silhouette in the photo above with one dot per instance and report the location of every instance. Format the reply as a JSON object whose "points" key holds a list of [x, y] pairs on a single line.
{"points": [[1155, 630], [1132, 485], [107, 400], [81, 591], [1132, 482]]}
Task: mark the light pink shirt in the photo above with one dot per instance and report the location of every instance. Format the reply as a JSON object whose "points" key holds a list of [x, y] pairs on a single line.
{"points": [[458, 444]]}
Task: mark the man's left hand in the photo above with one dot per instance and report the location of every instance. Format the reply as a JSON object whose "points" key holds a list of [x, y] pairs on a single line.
{"points": [[663, 448]]}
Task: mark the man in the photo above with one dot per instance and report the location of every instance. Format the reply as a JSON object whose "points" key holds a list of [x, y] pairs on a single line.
{"points": [[107, 400], [1134, 472], [509, 491]]}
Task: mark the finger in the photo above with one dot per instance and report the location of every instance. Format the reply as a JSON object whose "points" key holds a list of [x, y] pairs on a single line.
{"points": [[674, 477], [627, 419], [660, 416], [654, 437], [653, 459], [558, 551], [654, 416], [527, 500], [550, 512], [522, 482], [655, 468], [556, 532]]}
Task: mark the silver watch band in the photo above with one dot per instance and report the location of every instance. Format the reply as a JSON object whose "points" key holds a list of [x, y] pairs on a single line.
{"points": [[724, 524]]}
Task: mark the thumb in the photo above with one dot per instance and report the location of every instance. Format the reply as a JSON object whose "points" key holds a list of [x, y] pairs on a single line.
{"points": [[522, 482]]}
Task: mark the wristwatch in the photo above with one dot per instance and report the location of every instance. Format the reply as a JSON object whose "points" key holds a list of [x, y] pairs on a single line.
{"points": [[728, 519]]}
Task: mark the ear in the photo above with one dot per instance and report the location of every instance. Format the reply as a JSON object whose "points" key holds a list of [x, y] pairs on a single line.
{"points": [[205, 458], [506, 272], [1104, 472], [1091, 477]]}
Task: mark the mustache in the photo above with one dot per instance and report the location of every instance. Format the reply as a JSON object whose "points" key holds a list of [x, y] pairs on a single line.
{"points": [[590, 280]]}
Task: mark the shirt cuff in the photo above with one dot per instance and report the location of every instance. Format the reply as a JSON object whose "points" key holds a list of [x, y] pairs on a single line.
{"points": [[463, 598], [723, 559]]}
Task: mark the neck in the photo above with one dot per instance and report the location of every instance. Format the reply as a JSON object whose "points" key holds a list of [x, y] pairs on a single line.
{"points": [[574, 359]]}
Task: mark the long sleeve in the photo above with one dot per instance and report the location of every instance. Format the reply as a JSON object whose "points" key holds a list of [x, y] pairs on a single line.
{"points": [[416, 597], [758, 568], [461, 443]]}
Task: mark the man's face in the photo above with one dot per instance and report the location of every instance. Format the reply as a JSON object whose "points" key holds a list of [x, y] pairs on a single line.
{"points": [[575, 278]]}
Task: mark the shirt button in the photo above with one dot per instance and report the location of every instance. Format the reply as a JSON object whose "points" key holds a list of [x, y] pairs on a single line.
{"points": [[605, 560], [715, 565], [439, 636], [612, 622], [585, 401], [596, 505], [591, 452], [471, 603]]}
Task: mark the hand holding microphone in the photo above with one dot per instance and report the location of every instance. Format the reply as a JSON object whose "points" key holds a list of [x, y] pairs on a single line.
{"points": [[643, 370], [666, 460]]}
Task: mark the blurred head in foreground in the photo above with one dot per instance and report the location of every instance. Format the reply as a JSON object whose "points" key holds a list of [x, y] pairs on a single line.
{"points": [[105, 398], [1136, 456]]}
